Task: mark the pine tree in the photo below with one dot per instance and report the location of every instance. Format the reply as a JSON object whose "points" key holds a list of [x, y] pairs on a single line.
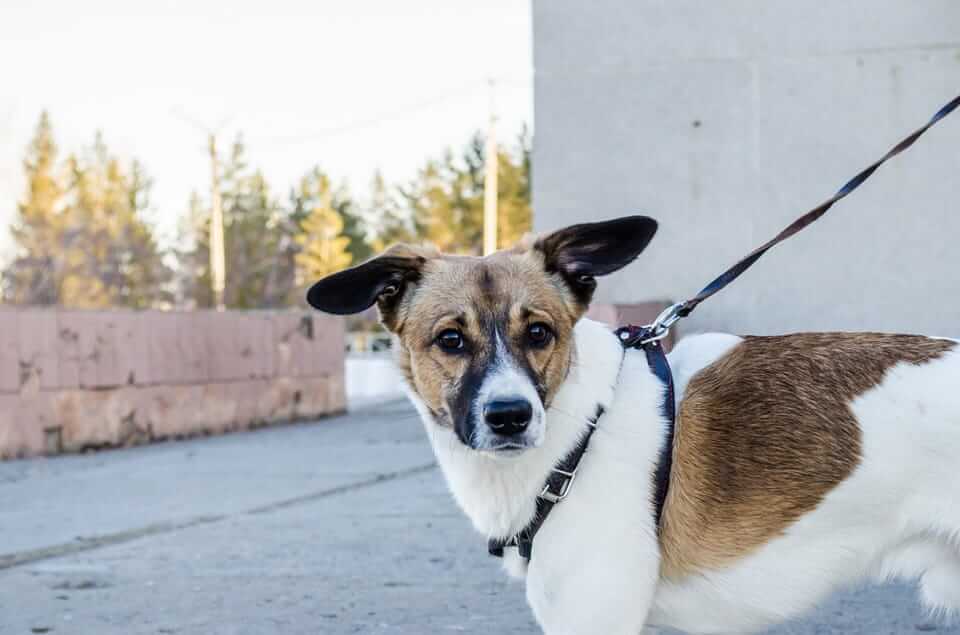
{"points": [[254, 246], [446, 206], [388, 222], [192, 254], [514, 213], [258, 236], [324, 249], [445, 201], [315, 189], [32, 278], [111, 254], [81, 234]]}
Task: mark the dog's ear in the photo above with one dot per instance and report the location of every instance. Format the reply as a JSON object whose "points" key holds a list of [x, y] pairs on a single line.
{"points": [[382, 280], [579, 253]]}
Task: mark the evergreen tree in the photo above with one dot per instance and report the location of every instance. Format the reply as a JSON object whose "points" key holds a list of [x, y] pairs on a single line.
{"points": [[445, 201], [316, 190], [193, 256], [514, 212], [324, 249], [322, 213], [446, 207], [258, 237], [389, 223], [81, 234], [32, 278], [111, 254], [254, 248]]}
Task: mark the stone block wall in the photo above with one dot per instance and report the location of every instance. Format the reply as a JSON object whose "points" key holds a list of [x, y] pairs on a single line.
{"points": [[75, 380]]}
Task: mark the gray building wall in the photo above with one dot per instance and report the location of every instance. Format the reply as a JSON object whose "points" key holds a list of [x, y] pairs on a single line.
{"points": [[726, 119]]}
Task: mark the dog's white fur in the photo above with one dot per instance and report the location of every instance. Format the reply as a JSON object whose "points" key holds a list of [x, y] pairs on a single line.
{"points": [[596, 560]]}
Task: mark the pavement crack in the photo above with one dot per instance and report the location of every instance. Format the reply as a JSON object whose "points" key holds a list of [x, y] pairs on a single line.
{"points": [[89, 543], [333, 491]]}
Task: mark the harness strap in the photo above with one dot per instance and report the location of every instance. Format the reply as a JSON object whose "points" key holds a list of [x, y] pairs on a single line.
{"points": [[561, 477], [554, 490], [642, 337]]}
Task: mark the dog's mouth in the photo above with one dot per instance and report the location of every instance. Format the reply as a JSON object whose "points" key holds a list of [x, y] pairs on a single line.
{"points": [[479, 438], [510, 431], [507, 449], [484, 442]]}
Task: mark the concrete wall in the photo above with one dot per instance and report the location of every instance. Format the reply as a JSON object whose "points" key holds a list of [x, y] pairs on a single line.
{"points": [[71, 380], [726, 119]]}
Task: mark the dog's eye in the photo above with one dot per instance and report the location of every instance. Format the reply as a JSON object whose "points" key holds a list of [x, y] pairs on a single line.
{"points": [[539, 334], [450, 340]]}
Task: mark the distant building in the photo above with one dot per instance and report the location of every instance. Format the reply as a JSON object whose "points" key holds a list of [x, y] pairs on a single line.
{"points": [[727, 119]]}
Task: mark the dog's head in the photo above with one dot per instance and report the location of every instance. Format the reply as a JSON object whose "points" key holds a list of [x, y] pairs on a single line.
{"points": [[486, 342]]}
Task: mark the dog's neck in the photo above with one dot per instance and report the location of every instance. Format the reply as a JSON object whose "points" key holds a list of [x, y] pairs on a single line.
{"points": [[499, 493]]}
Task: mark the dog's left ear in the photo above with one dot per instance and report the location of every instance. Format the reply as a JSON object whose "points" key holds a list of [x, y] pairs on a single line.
{"points": [[580, 253]]}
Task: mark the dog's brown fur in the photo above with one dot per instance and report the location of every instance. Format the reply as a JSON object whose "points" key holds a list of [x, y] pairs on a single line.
{"points": [[510, 289], [764, 433]]}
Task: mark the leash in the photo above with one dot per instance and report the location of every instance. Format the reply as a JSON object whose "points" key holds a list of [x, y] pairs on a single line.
{"points": [[681, 310], [648, 338]]}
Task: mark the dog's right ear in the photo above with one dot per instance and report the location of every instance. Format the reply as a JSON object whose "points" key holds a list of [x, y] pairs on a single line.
{"points": [[382, 280]]}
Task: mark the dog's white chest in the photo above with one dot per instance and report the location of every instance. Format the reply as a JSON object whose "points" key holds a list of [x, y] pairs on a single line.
{"points": [[599, 545]]}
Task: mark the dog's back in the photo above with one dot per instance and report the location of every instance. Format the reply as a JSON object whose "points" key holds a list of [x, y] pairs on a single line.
{"points": [[805, 461]]}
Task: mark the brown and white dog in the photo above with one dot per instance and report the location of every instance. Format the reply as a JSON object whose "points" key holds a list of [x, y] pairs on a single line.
{"points": [[801, 463]]}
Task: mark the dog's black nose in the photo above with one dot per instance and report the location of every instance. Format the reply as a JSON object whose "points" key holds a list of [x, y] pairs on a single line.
{"points": [[508, 416]]}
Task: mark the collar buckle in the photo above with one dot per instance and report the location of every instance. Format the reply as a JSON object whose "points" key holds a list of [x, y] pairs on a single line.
{"points": [[555, 489], [548, 495]]}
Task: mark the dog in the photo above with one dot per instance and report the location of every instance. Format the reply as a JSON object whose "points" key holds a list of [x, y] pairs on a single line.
{"points": [[799, 464]]}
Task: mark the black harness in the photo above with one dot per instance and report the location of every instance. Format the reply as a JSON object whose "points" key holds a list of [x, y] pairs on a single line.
{"points": [[554, 491], [561, 477], [648, 338]]}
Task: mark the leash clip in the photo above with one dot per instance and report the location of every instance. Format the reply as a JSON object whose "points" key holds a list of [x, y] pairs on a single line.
{"points": [[661, 326], [656, 330]]}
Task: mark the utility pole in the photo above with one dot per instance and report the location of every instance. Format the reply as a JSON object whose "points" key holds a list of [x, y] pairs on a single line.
{"points": [[218, 260], [491, 160]]}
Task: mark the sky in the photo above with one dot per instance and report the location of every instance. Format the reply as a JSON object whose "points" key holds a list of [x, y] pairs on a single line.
{"points": [[352, 86]]}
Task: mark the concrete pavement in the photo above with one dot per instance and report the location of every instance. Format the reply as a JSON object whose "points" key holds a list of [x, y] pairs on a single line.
{"points": [[343, 526]]}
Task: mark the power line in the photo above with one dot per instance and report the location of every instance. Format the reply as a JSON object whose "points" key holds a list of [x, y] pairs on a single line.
{"points": [[370, 122]]}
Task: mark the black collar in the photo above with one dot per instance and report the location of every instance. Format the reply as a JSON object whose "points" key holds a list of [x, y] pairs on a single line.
{"points": [[562, 476]]}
